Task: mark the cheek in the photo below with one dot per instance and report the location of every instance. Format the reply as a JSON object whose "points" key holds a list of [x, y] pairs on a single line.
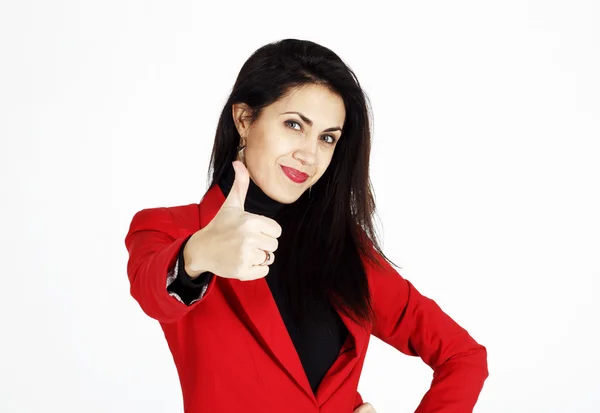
{"points": [[322, 169], [325, 161], [278, 147], [266, 145], [324, 164]]}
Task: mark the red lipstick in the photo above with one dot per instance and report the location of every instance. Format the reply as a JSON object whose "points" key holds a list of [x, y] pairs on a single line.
{"points": [[294, 174]]}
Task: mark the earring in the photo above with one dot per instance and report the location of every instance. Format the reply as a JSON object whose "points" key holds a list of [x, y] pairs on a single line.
{"points": [[241, 153]]}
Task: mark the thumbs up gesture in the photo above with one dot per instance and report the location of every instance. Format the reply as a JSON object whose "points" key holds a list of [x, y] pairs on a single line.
{"points": [[235, 242], [365, 408]]}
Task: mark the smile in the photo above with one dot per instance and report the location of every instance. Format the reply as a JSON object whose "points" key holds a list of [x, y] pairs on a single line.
{"points": [[294, 174]]}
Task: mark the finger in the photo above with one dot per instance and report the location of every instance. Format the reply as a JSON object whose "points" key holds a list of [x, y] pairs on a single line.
{"points": [[239, 189], [268, 226], [266, 243], [271, 259], [256, 272], [260, 258]]}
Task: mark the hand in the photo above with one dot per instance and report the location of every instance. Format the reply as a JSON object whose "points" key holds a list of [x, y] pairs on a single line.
{"points": [[233, 244], [365, 408]]}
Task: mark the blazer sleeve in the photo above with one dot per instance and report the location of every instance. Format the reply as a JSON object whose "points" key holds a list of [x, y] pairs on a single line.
{"points": [[417, 326], [154, 246], [180, 285]]}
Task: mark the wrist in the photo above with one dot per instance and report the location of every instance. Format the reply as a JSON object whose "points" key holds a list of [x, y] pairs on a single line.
{"points": [[194, 255]]}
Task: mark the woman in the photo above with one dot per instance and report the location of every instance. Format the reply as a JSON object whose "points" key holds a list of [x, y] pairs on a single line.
{"points": [[269, 289]]}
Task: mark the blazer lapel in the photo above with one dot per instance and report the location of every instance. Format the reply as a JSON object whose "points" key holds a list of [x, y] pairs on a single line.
{"points": [[349, 355], [254, 302]]}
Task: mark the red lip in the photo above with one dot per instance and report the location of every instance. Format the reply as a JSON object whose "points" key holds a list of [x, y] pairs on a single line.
{"points": [[294, 174]]}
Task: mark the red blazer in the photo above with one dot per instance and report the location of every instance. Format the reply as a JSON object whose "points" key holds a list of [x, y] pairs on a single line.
{"points": [[232, 350]]}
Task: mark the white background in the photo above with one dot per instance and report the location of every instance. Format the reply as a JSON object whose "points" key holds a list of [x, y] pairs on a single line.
{"points": [[485, 163]]}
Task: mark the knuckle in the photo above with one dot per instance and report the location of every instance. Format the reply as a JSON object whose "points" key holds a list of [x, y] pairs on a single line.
{"points": [[274, 245], [246, 244], [246, 221]]}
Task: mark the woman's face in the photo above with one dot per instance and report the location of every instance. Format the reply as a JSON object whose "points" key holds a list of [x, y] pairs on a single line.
{"points": [[290, 145]]}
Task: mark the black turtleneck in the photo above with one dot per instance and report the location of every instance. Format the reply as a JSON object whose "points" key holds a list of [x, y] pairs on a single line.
{"points": [[318, 346]]}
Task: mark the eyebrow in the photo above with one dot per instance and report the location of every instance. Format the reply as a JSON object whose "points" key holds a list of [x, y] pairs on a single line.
{"points": [[310, 122]]}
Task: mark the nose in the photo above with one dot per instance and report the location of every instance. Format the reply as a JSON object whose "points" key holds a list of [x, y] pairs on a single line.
{"points": [[307, 151]]}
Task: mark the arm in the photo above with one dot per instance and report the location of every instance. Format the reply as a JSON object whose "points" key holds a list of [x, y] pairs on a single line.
{"points": [[417, 326], [154, 247]]}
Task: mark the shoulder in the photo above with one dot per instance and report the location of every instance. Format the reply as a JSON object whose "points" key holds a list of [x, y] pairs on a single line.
{"points": [[179, 220], [385, 281], [175, 220]]}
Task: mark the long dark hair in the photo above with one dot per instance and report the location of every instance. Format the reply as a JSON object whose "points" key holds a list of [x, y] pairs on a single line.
{"points": [[330, 228]]}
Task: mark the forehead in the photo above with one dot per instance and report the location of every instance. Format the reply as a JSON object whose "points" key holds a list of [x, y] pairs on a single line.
{"points": [[316, 102]]}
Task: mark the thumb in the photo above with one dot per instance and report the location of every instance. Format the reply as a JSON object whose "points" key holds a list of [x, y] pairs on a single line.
{"points": [[365, 408], [239, 189]]}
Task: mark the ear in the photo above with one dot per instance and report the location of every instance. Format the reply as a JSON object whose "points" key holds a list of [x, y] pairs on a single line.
{"points": [[241, 113]]}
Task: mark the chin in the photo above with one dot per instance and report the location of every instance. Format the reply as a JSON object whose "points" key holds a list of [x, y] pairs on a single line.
{"points": [[286, 198]]}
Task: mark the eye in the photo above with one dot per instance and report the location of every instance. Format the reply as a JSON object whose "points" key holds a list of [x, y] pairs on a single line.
{"points": [[333, 139], [291, 122]]}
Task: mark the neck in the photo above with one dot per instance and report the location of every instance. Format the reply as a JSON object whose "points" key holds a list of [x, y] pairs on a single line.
{"points": [[257, 202]]}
